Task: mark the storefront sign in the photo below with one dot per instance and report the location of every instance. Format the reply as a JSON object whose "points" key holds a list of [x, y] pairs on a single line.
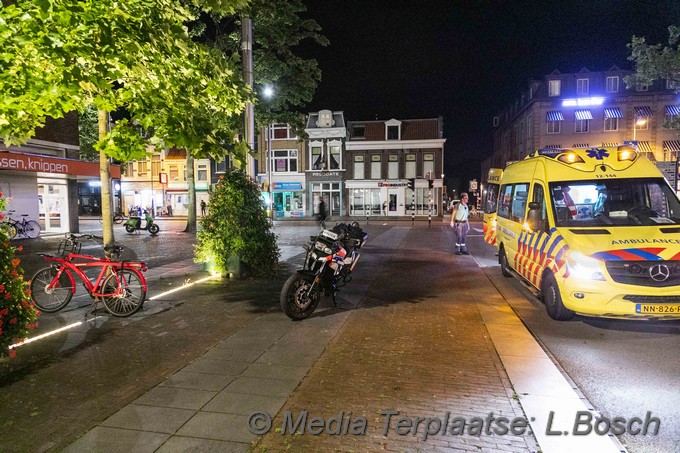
{"points": [[392, 184], [286, 186], [10, 160], [326, 173]]}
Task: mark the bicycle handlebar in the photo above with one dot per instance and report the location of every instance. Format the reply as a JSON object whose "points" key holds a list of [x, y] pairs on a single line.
{"points": [[74, 236]]}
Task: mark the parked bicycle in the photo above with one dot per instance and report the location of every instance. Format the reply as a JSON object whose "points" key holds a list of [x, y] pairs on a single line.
{"points": [[25, 227], [120, 285], [118, 218]]}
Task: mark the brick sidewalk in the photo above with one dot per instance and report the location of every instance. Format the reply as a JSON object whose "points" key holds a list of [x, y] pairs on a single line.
{"points": [[417, 348]]}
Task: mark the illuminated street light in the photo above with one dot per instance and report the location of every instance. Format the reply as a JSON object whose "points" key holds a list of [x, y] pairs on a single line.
{"points": [[639, 121]]}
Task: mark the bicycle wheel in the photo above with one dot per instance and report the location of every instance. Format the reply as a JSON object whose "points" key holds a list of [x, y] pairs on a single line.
{"points": [[132, 298], [32, 229], [117, 219], [53, 299]]}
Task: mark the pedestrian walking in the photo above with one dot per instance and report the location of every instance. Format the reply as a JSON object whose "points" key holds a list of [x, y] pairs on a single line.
{"points": [[322, 213], [203, 205], [460, 225], [169, 210]]}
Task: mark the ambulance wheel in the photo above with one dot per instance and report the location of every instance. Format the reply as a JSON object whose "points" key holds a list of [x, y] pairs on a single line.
{"points": [[503, 261], [553, 300]]}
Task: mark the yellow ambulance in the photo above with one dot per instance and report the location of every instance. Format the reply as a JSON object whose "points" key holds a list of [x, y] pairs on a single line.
{"points": [[490, 198], [595, 231]]}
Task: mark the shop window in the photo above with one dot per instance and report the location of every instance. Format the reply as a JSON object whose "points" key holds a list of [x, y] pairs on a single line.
{"points": [[202, 173]]}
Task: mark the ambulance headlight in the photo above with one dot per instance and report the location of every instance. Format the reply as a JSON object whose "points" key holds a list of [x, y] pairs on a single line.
{"points": [[584, 267]]}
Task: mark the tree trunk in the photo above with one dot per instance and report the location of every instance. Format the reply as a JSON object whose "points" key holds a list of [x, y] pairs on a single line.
{"points": [[105, 177], [191, 216]]}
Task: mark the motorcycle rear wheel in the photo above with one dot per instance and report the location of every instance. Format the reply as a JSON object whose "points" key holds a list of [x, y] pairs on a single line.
{"points": [[296, 303]]}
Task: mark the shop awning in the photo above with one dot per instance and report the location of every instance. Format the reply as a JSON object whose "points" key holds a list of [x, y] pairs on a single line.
{"points": [[671, 145], [555, 115], [672, 110], [645, 147], [643, 112], [609, 144], [613, 112], [583, 115], [581, 145], [553, 146], [39, 163]]}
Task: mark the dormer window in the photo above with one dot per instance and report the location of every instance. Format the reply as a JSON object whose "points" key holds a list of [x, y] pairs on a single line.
{"points": [[393, 130], [582, 86], [359, 131], [281, 132]]}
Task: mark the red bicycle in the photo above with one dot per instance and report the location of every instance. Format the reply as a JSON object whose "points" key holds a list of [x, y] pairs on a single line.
{"points": [[121, 286]]}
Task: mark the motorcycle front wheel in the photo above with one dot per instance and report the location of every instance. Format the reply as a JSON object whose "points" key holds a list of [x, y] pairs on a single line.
{"points": [[153, 229], [296, 300], [129, 228]]}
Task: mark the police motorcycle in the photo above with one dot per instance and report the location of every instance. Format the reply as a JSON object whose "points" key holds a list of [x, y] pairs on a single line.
{"points": [[330, 259], [134, 223]]}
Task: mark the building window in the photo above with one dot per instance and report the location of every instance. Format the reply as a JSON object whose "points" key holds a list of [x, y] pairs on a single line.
{"points": [[392, 132], [641, 87], [495, 121], [173, 173], [317, 158], [611, 124], [375, 166], [155, 165], [393, 166], [281, 132], [582, 86], [359, 167], [334, 157], [428, 166], [581, 125], [410, 169], [613, 84], [359, 131], [143, 166], [202, 172], [130, 169], [642, 123], [285, 160], [554, 87], [554, 127]]}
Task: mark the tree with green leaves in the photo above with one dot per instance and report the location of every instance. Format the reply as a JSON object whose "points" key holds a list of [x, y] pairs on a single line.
{"points": [[63, 55], [654, 62]]}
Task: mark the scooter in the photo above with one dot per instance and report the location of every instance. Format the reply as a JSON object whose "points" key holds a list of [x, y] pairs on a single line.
{"points": [[134, 223]]}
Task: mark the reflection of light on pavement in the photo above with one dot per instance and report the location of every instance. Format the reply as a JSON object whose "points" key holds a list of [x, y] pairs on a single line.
{"points": [[51, 332], [186, 285], [76, 324]]}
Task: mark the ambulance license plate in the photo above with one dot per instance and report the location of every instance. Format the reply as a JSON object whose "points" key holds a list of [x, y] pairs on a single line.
{"points": [[657, 309]]}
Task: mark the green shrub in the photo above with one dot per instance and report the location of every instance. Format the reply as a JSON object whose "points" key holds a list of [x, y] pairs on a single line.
{"points": [[17, 313], [237, 229]]}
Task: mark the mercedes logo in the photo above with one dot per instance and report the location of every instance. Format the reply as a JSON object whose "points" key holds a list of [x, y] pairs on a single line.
{"points": [[659, 272]]}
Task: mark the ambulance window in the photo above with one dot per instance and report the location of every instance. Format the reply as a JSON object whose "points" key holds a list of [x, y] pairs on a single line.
{"points": [[491, 199], [519, 202], [539, 197], [505, 201]]}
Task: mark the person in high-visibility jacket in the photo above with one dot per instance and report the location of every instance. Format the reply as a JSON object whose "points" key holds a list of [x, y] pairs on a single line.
{"points": [[460, 225]]}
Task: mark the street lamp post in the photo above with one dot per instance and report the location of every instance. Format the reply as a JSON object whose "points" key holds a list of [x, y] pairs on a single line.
{"points": [[268, 93]]}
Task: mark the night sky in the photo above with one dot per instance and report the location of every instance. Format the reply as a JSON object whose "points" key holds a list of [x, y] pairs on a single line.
{"points": [[466, 60]]}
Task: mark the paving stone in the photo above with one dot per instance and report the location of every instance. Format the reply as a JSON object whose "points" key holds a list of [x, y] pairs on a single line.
{"points": [[227, 368], [149, 418], [212, 425], [259, 386], [198, 381], [273, 371], [180, 398], [178, 444], [244, 404], [116, 440]]}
